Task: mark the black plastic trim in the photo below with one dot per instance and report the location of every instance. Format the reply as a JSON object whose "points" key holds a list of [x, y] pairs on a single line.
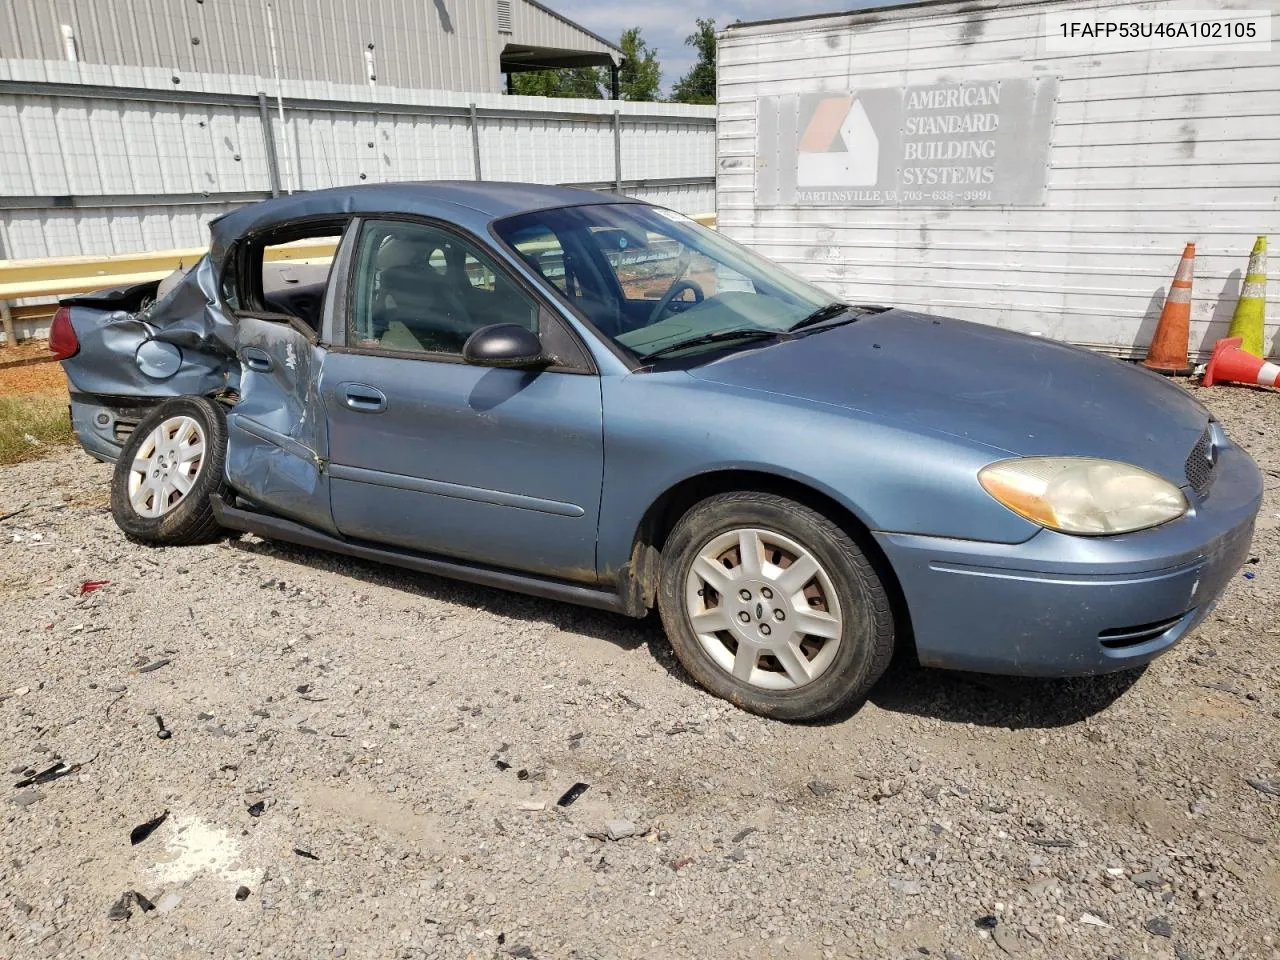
{"points": [[277, 528]]}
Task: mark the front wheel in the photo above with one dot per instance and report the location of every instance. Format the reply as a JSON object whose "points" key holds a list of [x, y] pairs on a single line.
{"points": [[773, 607], [167, 471]]}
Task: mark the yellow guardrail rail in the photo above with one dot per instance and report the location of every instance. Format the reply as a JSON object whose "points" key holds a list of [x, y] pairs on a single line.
{"points": [[62, 276]]}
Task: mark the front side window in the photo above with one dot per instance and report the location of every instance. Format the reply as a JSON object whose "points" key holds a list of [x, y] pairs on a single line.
{"points": [[652, 280], [421, 289]]}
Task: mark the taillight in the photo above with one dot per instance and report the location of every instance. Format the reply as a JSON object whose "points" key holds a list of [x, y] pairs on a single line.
{"points": [[62, 336]]}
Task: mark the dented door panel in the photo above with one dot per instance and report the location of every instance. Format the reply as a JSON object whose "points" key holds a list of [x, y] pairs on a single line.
{"points": [[276, 440]]}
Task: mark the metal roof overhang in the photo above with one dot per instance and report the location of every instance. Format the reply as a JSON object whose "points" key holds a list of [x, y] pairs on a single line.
{"points": [[520, 58]]}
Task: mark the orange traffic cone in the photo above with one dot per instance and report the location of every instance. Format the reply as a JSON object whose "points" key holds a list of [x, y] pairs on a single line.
{"points": [[1168, 352], [1231, 363]]}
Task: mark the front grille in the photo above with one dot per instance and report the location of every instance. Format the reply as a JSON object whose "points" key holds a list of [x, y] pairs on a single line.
{"points": [[1199, 466], [1121, 637]]}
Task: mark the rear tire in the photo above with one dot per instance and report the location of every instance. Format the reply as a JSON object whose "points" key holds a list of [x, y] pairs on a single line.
{"points": [[174, 460], [792, 646]]}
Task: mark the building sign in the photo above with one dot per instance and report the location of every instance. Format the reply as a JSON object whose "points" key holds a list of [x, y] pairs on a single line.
{"points": [[950, 144]]}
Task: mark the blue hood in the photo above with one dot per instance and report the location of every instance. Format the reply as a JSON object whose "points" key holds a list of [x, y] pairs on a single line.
{"points": [[1021, 395]]}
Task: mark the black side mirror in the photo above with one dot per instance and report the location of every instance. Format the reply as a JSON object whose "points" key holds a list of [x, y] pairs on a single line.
{"points": [[504, 345]]}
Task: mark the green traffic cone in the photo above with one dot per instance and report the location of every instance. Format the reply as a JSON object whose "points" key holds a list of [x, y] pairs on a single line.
{"points": [[1246, 322]]}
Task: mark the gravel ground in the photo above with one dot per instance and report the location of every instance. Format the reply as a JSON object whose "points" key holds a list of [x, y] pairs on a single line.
{"points": [[412, 736]]}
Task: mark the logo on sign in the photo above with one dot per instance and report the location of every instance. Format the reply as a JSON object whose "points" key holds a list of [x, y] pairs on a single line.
{"points": [[839, 147]]}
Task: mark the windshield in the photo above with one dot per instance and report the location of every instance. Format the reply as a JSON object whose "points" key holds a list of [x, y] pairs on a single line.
{"points": [[651, 279]]}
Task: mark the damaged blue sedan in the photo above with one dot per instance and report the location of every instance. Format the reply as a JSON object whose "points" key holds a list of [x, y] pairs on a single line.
{"points": [[596, 400]]}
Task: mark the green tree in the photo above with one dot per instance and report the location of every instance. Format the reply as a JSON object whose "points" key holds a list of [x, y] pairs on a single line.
{"points": [[699, 84], [640, 75], [585, 82]]}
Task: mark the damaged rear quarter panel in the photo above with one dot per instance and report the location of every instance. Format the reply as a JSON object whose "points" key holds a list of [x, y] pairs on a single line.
{"points": [[188, 317]]}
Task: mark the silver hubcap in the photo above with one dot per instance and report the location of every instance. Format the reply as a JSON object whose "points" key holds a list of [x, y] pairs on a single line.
{"points": [[166, 466], [764, 609]]}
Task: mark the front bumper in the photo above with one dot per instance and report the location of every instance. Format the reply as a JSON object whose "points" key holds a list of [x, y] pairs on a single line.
{"points": [[1062, 605]]}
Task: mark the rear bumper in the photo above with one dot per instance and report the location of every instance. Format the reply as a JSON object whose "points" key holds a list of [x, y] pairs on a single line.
{"points": [[103, 424], [1060, 605]]}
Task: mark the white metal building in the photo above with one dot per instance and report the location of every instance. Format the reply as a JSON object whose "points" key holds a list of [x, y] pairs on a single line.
{"points": [[415, 44], [946, 156]]}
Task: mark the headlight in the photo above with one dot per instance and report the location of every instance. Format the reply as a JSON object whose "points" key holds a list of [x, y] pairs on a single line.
{"points": [[1083, 495]]}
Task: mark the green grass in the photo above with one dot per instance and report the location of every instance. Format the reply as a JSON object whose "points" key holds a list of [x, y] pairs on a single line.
{"points": [[42, 416]]}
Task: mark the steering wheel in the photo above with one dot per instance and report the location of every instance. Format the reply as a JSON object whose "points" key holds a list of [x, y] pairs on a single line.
{"points": [[674, 291]]}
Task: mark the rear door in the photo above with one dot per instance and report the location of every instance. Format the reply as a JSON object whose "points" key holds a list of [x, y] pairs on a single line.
{"points": [[501, 467], [276, 440]]}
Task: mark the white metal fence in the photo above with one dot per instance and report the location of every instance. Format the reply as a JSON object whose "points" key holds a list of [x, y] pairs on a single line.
{"points": [[100, 160]]}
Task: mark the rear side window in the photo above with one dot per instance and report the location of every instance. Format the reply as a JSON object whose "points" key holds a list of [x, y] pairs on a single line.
{"points": [[286, 273], [295, 276]]}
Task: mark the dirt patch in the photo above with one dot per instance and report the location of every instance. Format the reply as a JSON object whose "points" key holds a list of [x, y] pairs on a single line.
{"points": [[34, 419], [24, 352]]}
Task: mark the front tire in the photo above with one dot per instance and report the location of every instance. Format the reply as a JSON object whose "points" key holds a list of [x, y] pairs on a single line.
{"points": [[771, 606], [172, 463]]}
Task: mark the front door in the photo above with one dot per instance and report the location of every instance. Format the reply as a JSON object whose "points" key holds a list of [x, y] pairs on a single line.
{"points": [[501, 467]]}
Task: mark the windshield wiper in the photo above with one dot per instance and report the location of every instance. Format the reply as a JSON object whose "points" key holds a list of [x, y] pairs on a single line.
{"points": [[717, 337], [821, 315]]}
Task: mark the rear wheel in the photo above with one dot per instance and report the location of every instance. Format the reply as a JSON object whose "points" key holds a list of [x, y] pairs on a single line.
{"points": [[772, 606], [167, 471]]}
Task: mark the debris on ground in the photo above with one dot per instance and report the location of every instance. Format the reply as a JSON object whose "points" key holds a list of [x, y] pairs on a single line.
{"points": [[58, 770], [1264, 786], [14, 513], [572, 794], [144, 830], [615, 830], [305, 854], [89, 586], [120, 909], [154, 665], [1159, 927]]}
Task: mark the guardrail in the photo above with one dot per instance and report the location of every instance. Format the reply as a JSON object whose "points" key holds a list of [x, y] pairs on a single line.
{"points": [[63, 276]]}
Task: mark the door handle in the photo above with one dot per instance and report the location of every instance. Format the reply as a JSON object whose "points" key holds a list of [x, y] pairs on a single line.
{"points": [[256, 359], [363, 398]]}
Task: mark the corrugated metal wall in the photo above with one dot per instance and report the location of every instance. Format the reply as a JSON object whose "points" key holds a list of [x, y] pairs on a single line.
{"points": [[1148, 150], [422, 44], [90, 165], [538, 26]]}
